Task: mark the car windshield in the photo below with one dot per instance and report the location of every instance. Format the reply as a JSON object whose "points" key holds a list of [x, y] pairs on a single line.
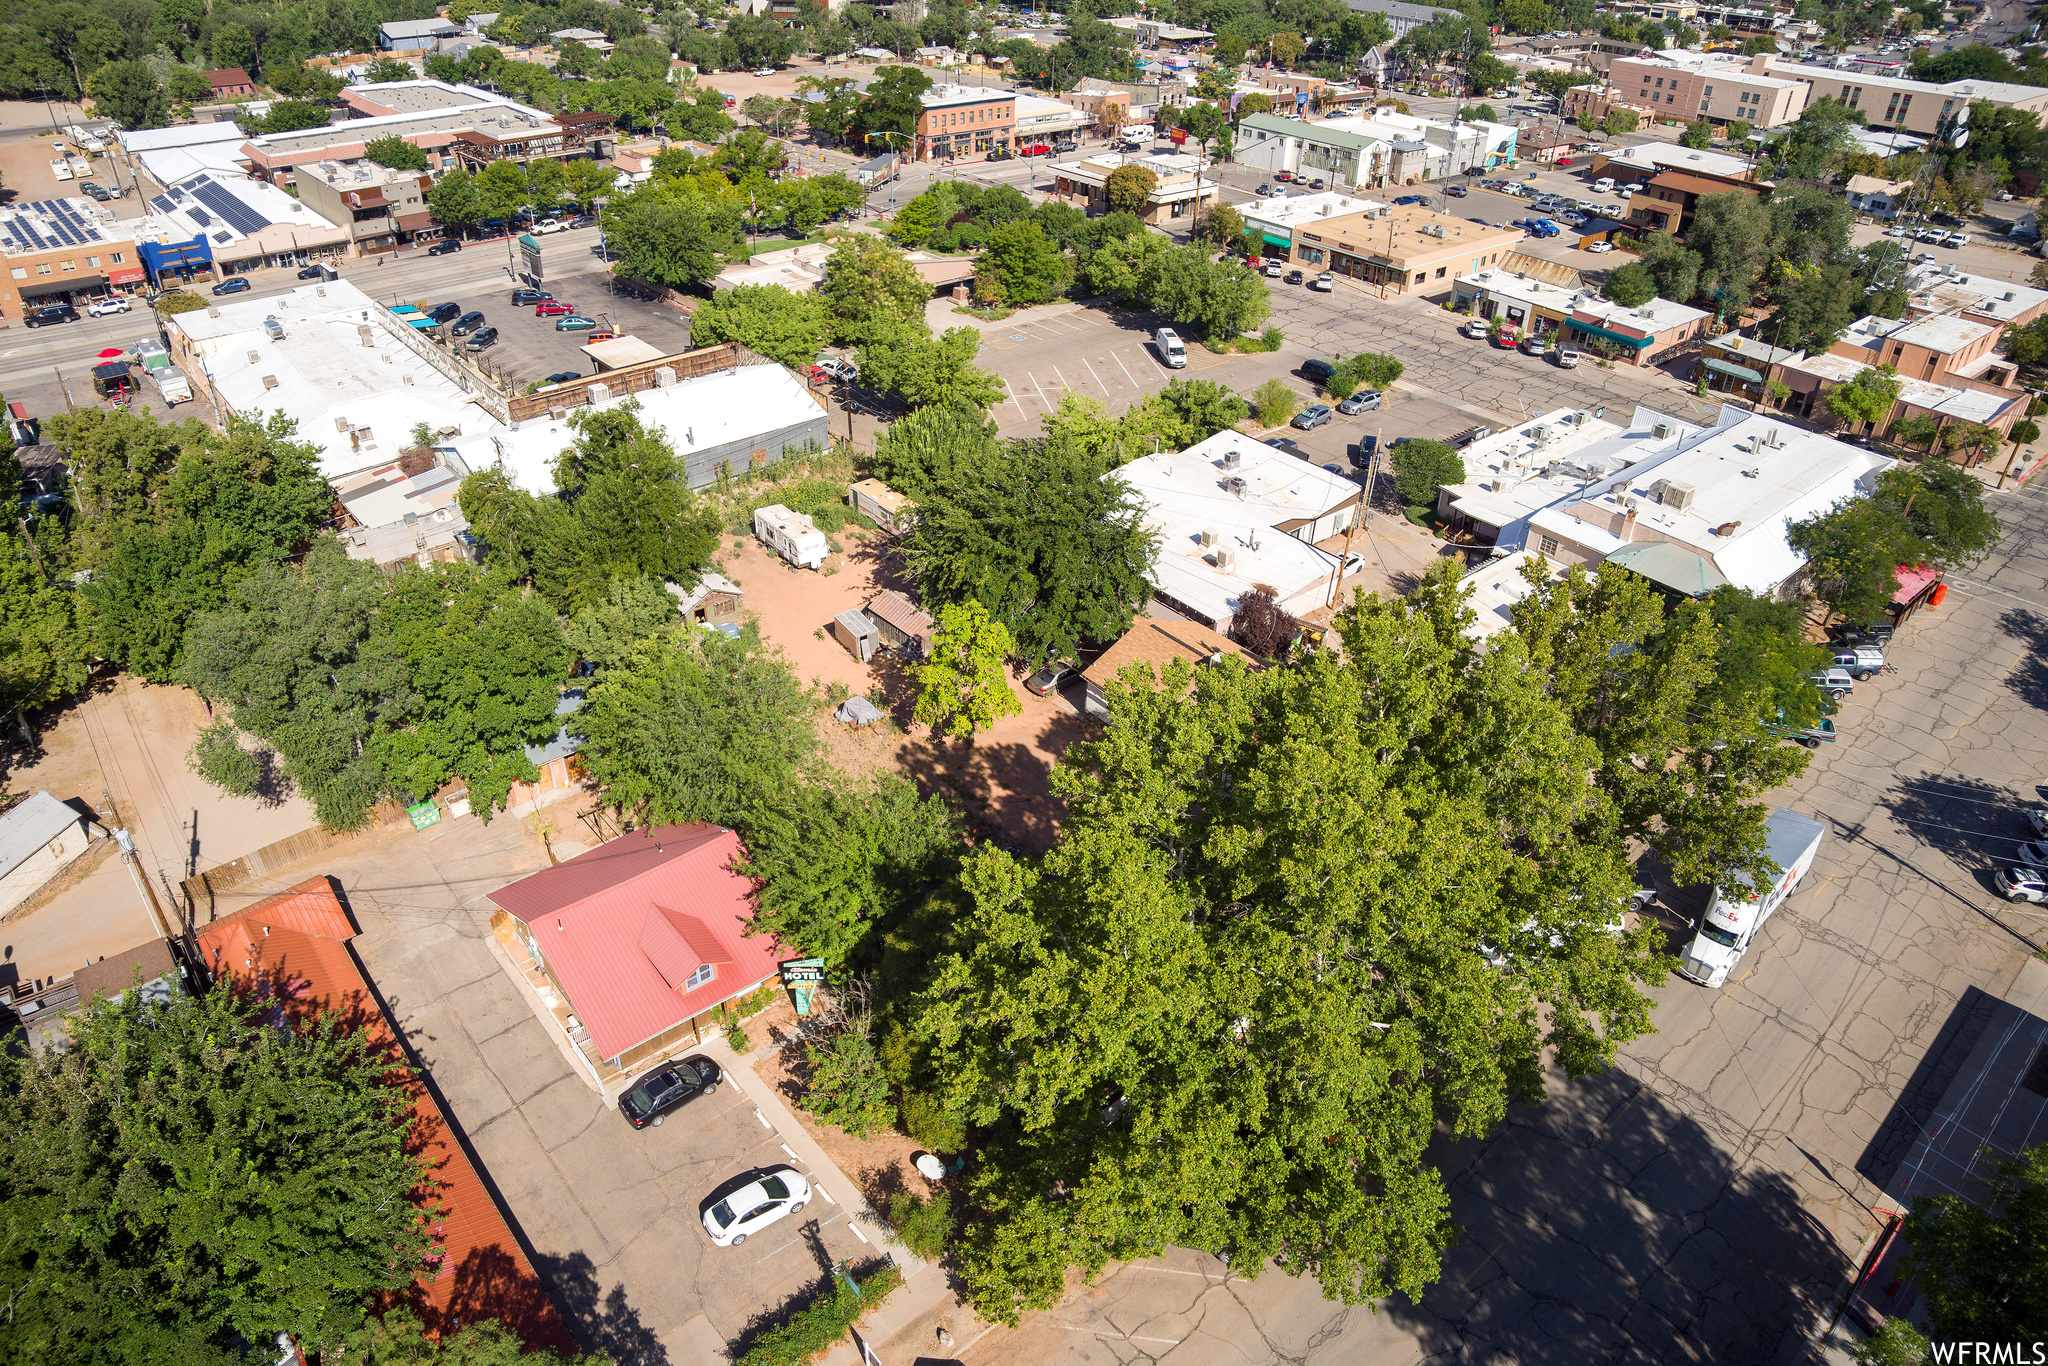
{"points": [[774, 1189], [721, 1214], [1725, 938]]}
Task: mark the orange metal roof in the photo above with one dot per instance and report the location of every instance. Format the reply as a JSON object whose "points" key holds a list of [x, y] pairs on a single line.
{"points": [[293, 948]]}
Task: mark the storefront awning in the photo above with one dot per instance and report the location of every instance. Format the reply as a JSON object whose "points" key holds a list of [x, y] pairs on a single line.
{"points": [[1734, 371], [1637, 342], [131, 275], [1278, 241]]}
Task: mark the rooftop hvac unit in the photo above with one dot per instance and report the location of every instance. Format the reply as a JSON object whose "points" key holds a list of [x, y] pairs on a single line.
{"points": [[341, 424], [274, 328], [1678, 496], [1226, 560], [1234, 485], [600, 393], [557, 414], [2009, 296], [1772, 439], [1542, 433], [270, 381], [1617, 488], [1663, 431], [664, 376], [1209, 537], [1232, 459], [1629, 503]]}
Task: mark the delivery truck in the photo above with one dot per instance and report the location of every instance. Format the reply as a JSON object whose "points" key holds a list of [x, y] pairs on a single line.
{"points": [[1736, 910]]}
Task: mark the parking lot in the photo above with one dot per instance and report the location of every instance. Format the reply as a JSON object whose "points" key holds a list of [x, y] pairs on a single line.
{"points": [[613, 1215], [1107, 354], [529, 348]]}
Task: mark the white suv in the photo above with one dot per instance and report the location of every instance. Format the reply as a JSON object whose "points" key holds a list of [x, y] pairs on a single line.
{"points": [[100, 308]]}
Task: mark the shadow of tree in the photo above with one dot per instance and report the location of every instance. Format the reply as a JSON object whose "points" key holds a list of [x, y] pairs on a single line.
{"points": [[769, 1319], [1606, 1225], [1973, 823], [602, 1320], [1004, 786], [2029, 677]]}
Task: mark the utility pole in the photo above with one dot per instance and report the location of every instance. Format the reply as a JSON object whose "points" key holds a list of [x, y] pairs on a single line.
{"points": [[156, 918]]}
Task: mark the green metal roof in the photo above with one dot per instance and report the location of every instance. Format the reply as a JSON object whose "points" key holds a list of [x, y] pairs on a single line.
{"points": [[1734, 371], [1312, 132], [1673, 566]]}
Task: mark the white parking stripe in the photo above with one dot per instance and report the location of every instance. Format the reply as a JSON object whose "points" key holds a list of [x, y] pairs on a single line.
{"points": [[1125, 368], [856, 1231], [791, 1151], [822, 1191], [764, 1121], [1092, 375], [1063, 380], [784, 1247], [1012, 393]]}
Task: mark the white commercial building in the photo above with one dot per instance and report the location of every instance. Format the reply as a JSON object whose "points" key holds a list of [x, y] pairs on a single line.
{"points": [[1232, 512], [1690, 507]]}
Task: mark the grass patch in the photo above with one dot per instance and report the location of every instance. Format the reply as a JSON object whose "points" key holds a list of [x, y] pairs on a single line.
{"points": [[752, 249], [1269, 340], [987, 315]]}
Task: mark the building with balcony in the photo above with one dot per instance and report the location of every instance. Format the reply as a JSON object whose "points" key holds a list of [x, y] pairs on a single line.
{"points": [[381, 209], [433, 116]]}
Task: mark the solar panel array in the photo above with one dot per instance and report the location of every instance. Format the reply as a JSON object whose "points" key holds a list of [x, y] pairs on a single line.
{"points": [[199, 216], [232, 211], [163, 202], [47, 225]]}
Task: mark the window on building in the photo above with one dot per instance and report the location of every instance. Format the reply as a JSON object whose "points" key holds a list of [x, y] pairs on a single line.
{"points": [[1548, 545], [700, 977], [70, 266], [1420, 277], [1660, 82], [20, 272], [1440, 272], [43, 269], [1709, 93], [93, 262]]}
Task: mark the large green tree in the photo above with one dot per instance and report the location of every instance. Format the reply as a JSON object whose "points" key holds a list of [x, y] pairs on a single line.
{"points": [[671, 237], [928, 371], [186, 1177], [1983, 1266], [961, 683], [1041, 535], [699, 728], [872, 293], [1295, 926], [781, 325]]}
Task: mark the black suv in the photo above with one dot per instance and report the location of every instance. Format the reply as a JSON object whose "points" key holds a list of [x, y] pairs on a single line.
{"points": [[448, 248], [468, 323], [529, 296], [52, 313], [663, 1089], [444, 313]]}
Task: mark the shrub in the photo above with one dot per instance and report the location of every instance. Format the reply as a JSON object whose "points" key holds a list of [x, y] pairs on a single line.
{"points": [[219, 758], [847, 1087], [931, 1124], [1276, 402], [925, 1226], [737, 1040], [819, 1326]]}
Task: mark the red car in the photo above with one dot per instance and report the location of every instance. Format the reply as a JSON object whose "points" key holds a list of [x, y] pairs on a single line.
{"points": [[1506, 339], [816, 375], [1283, 175], [548, 308], [1035, 149]]}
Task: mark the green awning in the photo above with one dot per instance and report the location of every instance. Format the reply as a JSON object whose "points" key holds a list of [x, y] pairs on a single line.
{"points": [[1673, 566], [1734, 371], [1637, 342], [1279, 241]]}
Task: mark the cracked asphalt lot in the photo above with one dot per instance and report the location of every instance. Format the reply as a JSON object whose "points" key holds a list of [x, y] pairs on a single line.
{"points": [[1703, 1200]]}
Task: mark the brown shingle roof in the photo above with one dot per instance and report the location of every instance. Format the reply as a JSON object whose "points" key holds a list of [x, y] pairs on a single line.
{"points": [[111, 976], [228, 75]]}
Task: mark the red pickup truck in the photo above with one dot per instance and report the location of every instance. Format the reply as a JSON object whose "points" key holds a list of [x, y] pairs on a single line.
{"points": [[1035, 149]]}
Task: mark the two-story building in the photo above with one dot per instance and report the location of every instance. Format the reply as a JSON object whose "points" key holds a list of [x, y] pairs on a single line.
{"points": [[455, 125], [963, 120], [1718, 87], [60, 251], [1405, 249], [380, 208], [1181, 187]]}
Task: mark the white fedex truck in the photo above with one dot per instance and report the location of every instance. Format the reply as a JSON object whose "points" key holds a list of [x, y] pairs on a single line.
{"points": [[1737, 911]]}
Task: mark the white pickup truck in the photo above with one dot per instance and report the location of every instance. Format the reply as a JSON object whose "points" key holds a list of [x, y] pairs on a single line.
{"points": [[1736, 912]]}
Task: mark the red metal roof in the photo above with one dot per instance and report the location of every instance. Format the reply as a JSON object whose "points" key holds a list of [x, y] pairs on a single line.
{"points": [[1913, 582], [292, 948], [624, 926]]}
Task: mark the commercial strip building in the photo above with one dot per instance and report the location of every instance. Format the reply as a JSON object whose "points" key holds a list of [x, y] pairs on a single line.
{"points": [[233, 224], [963, 120], [1232, 512], [455, 125], [1581, 318], [1688, 506], [1382, 149], [1181, 189], [1895, 102], [1407, 249], [63, 251], [380, 208], [1155, 34]]}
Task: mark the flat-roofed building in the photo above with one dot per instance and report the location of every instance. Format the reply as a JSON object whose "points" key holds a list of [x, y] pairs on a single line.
{"points": [[380, 208], [963, 120], [1581, 318], [1182, 184], [236, 223], [455, 125], [1895, 102], [1407, 248], [61, 251], [1718, 87]]}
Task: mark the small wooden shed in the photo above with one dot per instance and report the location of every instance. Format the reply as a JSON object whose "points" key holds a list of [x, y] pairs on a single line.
{"points": [[859, 635]]}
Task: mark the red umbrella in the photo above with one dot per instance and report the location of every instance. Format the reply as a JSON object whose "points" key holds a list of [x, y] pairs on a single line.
{"points": [[111, 352]]}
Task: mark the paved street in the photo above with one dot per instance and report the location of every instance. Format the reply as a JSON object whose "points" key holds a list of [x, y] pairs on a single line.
{"points": [[1702, 1200]]}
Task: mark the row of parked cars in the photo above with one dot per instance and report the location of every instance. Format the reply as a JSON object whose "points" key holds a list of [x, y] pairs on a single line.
{"points": [[1480, 329], [1935, 236]]}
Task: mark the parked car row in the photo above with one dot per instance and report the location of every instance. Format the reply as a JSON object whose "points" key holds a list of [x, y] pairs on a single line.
{"points": [[1938, 237], [1510, 338]]}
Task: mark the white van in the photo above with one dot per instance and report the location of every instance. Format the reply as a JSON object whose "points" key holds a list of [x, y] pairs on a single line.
{"points": [[1604, 185], [1170, 349], [1137, 132], [1735, 913]]}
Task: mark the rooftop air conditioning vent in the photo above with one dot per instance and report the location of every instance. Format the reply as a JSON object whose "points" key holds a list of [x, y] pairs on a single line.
{"points": [[1234, 485], [1542, 433], [600, 393], [270, 381], [1208, 537], [1231, 459], [255, 356], [1752, 474], [1629, 503], [1663, 431], [1678, 497], [2009, 296], [1226, 560]]}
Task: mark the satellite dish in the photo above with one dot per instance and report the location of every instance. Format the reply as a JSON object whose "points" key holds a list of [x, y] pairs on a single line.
{"points": [[1961, 138], [1962, 116]]}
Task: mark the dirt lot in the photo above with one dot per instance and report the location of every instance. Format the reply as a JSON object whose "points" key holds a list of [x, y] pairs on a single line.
{"points": [[1000, 775]]}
